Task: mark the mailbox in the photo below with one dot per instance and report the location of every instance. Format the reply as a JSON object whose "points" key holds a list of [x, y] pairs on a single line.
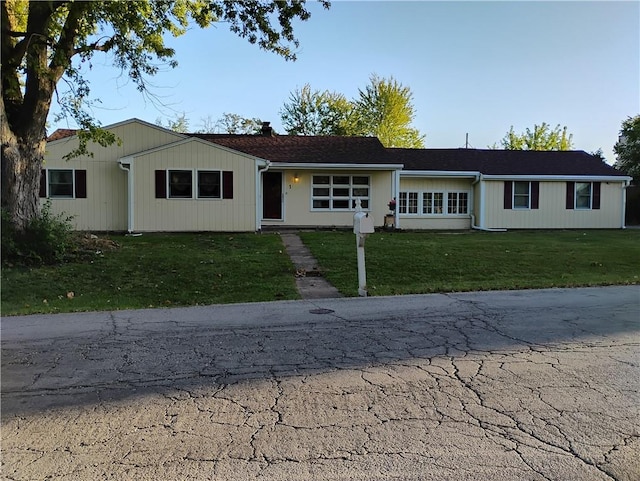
{"points": [[363, 223]]}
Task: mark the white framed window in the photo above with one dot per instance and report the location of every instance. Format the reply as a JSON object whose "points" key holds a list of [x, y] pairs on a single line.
{"points": [[583, 195], [209, 184], [521, 195], [339, 192], [180, 184], [61, 185], [457, 203], [408, 203], [432, 203]]}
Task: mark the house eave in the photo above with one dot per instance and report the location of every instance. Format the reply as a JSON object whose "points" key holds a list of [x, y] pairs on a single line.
{"points": [[333, 166], [440, 173], [561, 178]]}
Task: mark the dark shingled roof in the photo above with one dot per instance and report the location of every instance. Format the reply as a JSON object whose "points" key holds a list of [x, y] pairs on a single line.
{"points": [[369, 150], [505, 162], [306, 149]]}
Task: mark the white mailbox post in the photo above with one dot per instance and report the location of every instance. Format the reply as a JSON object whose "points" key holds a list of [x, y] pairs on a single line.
{"points": [[362, 226]]}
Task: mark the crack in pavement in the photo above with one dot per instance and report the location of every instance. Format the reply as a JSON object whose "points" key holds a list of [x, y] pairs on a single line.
{"points": [[470, 393]]}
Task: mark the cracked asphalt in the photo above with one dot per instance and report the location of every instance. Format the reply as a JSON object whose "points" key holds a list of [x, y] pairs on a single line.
{"points": [[518, 385]]}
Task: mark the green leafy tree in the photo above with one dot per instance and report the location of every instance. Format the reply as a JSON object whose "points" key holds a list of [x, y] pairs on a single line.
{"points": [[179, 123], [542, 137], [314, 112], [384, 109], [44, 45], [627, 149], [236, 124]]}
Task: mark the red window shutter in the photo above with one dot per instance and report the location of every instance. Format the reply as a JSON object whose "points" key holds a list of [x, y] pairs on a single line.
{"points": [[161, 184], [227, 184], [571, 189], [535, 195], [81, 184], [596, 195], [508, 194], [43, 183]]}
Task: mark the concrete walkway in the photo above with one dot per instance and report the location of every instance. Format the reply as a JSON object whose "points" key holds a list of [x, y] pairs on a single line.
{"points": [[309, 280]]}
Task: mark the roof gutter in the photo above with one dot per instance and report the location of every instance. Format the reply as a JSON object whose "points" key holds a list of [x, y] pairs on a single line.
{"points": [[441, 173], [334, 166], [584, 178]]}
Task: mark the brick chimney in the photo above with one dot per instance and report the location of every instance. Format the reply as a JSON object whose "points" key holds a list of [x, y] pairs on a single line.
{"points": [[267, 130]]}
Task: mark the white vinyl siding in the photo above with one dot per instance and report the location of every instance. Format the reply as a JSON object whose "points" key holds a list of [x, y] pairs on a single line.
{"points": [[551, 213]]}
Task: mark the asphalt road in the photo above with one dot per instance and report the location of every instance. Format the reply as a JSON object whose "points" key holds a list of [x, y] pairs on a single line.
{"points": [[522, 385]]}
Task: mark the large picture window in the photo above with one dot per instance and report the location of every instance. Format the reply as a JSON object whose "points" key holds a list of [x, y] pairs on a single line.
{"points": [[339, 192]]}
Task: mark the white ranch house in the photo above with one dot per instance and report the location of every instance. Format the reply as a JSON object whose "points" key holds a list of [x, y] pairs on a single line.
{"points": [[157, 180]]}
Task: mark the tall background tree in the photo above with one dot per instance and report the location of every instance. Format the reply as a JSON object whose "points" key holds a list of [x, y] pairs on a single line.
{"points": [[627, 149], [236, 124], [383, 109], [542, 137], [315, 112], [45, 42]]}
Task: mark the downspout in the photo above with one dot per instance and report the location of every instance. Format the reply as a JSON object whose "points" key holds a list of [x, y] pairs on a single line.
{"points": [[259, 192], [625, 184], [480, 180], [130, 200], [396, 195]]}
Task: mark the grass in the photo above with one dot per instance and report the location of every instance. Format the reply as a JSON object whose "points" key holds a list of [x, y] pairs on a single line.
{"points": [[413, 263], [157, 270], [163, 270]]}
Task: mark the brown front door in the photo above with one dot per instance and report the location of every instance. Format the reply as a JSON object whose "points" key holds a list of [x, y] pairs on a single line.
{"points": [[272, 195]]}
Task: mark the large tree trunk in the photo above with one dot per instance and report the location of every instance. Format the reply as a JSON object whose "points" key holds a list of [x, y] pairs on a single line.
{"points": [[21, 164]]}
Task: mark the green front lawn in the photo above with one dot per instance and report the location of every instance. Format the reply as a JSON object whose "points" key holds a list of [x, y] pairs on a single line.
{"points": [[163, 270], [157, 270], [408, 263]]}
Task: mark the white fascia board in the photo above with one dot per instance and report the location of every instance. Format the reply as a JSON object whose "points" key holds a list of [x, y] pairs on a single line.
{"points": [[188, 140], [329, 166], [125, 122], [439, 173], [146, 124], [575, 178]]}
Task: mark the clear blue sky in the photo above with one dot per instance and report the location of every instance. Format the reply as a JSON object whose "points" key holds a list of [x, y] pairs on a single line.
{"points": [[473, 67]]}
